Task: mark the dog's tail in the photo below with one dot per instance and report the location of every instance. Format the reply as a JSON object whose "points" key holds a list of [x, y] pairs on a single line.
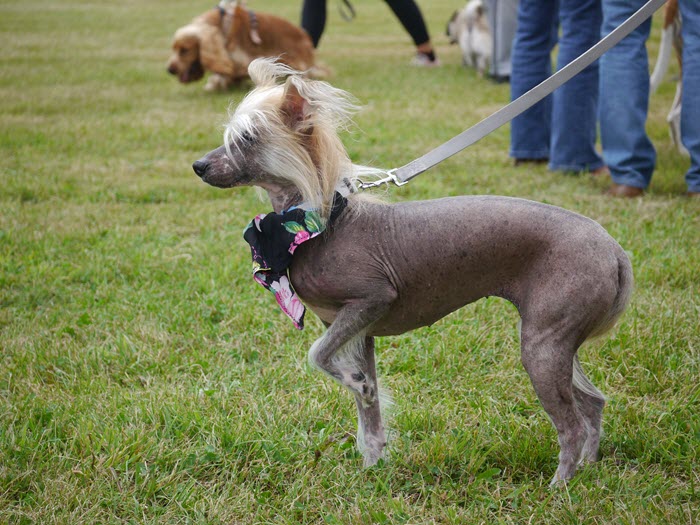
{"points": [[670, 36], [664, 58], [625, 286]]}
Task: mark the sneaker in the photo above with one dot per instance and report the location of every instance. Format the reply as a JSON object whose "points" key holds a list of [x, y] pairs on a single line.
{"points": [[423, 60], [499, 79]]}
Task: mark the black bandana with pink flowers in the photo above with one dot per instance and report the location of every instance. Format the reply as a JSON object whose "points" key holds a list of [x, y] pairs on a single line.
{"points": [[273, 237]]}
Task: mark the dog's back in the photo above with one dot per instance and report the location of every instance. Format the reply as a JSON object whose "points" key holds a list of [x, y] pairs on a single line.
{"points": [[278, 37], [481, 245]]}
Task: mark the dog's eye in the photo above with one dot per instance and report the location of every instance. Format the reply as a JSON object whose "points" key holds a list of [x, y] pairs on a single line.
{"points": [[246, 137]]}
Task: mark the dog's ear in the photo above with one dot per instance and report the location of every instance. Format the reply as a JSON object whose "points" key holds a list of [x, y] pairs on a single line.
{"points": [[212, 52], [295, 108]]}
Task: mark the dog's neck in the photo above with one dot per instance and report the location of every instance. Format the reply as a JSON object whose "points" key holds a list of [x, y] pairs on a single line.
{"points": [[282, 197]]}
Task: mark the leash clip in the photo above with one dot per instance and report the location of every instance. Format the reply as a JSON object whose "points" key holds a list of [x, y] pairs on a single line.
{"points": [[386, 180]]}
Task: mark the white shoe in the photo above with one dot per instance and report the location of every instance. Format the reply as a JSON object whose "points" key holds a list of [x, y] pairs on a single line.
{"points": [[423, 60]]}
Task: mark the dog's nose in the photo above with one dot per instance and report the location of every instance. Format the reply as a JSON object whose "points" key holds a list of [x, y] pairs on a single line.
{"points": [[172, 69], [200, 167]]}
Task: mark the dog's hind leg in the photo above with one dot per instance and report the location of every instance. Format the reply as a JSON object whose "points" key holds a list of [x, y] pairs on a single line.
{"points": [[591, 403], [549, 361]]}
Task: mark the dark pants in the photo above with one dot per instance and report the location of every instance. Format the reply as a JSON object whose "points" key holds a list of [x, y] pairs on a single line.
{"points": [[313, 19]]}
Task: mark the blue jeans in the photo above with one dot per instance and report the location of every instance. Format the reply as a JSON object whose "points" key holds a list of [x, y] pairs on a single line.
{"points": [[624, 99], [690, 112], [562, 127], [624, 91]]}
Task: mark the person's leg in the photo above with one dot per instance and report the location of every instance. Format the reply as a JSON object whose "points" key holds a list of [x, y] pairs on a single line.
{"points": [[624, 99], [313, 19], [408, 13], [575, 104], [531, 64], [690, 112], [503, 20]]}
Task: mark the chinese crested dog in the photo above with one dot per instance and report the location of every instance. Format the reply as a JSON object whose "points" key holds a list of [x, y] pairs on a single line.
{"points": [[369, 269]]}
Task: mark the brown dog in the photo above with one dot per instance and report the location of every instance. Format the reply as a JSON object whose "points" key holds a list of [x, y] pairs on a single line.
{"points": [[226, 39]]}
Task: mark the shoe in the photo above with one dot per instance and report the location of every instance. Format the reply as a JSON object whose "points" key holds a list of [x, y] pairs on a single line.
{"points": [[520, 162], [499, 79], [423, 60], [622, 190], [603, 171]]}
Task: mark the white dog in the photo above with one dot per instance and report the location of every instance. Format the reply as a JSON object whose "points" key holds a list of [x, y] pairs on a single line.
{"points": [[469, 28]]}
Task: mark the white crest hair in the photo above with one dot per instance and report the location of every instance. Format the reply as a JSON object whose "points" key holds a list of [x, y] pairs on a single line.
{"points": [[315, 163]]}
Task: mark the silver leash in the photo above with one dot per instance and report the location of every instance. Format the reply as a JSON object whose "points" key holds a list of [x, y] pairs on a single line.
{"points": [[402, 175]]}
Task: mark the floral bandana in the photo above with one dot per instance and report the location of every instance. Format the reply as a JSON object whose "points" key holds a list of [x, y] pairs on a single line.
{"points": [[273, 237]]}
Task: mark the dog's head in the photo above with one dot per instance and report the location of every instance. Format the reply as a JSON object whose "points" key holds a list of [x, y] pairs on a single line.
{"points": [[452, 31], [284, 133], [474, 13], [198, 47]]}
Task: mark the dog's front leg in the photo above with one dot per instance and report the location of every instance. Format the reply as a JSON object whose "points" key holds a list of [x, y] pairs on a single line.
{"points": [[216, 82], [354, 368], [347, 355], [371, 438]]}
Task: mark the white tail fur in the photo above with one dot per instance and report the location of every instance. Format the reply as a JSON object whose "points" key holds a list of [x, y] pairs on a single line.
{"points": [[664, 58]]}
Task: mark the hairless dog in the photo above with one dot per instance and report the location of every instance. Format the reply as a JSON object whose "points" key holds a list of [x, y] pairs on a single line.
{"points": [[378, 269]]}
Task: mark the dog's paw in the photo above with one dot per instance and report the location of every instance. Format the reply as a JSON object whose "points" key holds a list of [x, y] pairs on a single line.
{"points": [[371, 458], [216, 82], [372, 450]]}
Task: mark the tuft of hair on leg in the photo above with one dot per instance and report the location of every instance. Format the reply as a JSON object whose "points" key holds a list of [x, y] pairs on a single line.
{"points": [[590, 402], [311, 356], [351, 355], [584, 384], [346, 360], [387, 409]]}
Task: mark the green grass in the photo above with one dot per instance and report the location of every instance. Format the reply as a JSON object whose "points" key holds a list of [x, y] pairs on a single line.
{"points": [[145, 378]]}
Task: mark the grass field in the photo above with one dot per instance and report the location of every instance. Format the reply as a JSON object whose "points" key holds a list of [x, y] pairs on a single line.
{"points": [[145, 378]]}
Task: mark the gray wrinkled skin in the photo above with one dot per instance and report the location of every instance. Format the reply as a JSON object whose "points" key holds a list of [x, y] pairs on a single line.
{"points": [[384, 269]]}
